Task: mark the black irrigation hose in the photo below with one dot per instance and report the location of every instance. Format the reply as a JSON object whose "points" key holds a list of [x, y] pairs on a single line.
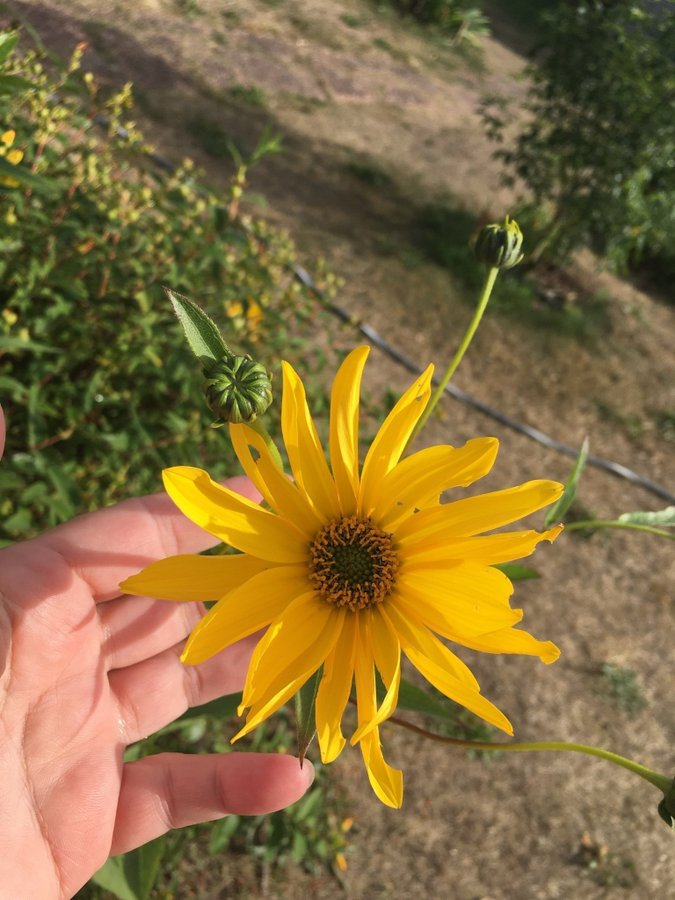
{"points": [[533, 433]]}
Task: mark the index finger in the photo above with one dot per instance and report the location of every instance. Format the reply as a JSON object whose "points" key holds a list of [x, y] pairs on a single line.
{"points": [[105, 547]]}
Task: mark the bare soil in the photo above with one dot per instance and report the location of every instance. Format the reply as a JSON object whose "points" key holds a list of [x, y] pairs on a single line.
{"points": [[345, 85]]}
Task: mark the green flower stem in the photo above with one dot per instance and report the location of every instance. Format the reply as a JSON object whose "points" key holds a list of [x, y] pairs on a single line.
{"points": [[611, 523], [258, 426], [660, 781], [490, 279]]}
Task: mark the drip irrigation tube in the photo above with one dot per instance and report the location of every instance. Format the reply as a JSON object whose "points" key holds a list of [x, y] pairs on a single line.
{"points": [[533, 433]]}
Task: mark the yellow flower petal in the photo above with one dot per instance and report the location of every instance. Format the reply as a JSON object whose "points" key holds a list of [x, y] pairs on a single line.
{"points": [[190, 577], [386, 650], [344, 428], [385, 781], [232, 518], [334, 690], [14, 157], [458, 691], [277, 489], [7, 137], [391, 439], [487, 549], [468, 598], [475, 514], [303, 636], [305, 453], [511, 640], [420, 479], [413, 634], [243, 611]]}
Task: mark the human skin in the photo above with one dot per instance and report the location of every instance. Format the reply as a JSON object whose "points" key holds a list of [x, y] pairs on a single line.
{"points": [[86, 671]]}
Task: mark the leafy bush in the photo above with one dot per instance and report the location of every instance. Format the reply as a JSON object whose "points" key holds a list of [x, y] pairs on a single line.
{"points": [[98, 390], [597, 148]]}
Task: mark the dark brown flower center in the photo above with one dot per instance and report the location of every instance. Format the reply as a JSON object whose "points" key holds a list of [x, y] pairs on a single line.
{"points": [[352, 563]]}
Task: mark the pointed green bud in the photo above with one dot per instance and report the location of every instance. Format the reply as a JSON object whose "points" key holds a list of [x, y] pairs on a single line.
{"points": [[500, 246], [238, 389]]}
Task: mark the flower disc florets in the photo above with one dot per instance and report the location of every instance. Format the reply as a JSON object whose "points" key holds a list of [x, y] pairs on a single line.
{"points": [[238, 389], [353, 563]]}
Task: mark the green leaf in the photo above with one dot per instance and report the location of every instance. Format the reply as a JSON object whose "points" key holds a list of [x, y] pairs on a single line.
{"points": [[412, 698], [220, 708], [558, 510], [132, 875], [516, 572], [304, 710], [201, 332], [7, 342], [111, 877], [7, 44], [24, 176], [13, 84], [141, 867], [660, 518]]}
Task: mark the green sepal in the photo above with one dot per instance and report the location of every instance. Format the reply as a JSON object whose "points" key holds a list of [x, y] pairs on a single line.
{"points": [[201, 332], [305, 701], [558, 510]]}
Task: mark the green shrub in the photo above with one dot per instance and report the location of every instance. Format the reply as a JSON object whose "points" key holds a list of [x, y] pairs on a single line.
{"points": [[99, 392], [597, 146]]}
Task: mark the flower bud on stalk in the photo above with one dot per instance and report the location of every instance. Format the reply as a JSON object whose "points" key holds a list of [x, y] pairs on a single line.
{"points": [[499, 246], [238, 389]]}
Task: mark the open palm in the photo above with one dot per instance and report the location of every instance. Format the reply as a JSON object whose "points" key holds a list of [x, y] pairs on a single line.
{"points": [[84, 672]]}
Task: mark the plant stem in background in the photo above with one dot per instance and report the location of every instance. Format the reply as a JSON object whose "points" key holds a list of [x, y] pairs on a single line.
{"points": [[611, 523], [490, 279], [662, 782]]}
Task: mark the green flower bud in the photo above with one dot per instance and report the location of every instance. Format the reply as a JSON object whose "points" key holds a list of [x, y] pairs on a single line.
{"points": [[238, 389], [499, 246]]}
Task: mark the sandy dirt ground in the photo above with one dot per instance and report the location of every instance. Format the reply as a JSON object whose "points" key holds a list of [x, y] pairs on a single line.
{"points": [[343, 84]]}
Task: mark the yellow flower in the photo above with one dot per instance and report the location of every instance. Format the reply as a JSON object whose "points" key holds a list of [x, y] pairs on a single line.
{"points": [[348, 568], [13, 157]]}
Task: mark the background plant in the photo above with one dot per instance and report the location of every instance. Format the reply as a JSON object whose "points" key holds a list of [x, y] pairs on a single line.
{"points": [[598, 141], [97, 389]]}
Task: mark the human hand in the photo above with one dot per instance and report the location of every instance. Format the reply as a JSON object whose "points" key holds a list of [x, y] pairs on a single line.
{"points": [[84, 672]]}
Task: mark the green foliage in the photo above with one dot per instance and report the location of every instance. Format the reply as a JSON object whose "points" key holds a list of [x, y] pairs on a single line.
{"points": [[597, 147], [453, 17], [97, 385]]}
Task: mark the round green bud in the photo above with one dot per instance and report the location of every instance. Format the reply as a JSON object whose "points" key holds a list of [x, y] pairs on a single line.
{"points": [[500, 246], [238, 389]]}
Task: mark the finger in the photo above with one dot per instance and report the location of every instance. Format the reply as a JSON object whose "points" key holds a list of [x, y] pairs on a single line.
{"points": [[136, 628], [156, 691], [172, 790], [107, 546]]}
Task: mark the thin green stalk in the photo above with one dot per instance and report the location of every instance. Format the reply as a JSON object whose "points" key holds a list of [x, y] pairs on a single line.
{"points": [[660, 781], [611, 523], [258, 426], [490, 279]]}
